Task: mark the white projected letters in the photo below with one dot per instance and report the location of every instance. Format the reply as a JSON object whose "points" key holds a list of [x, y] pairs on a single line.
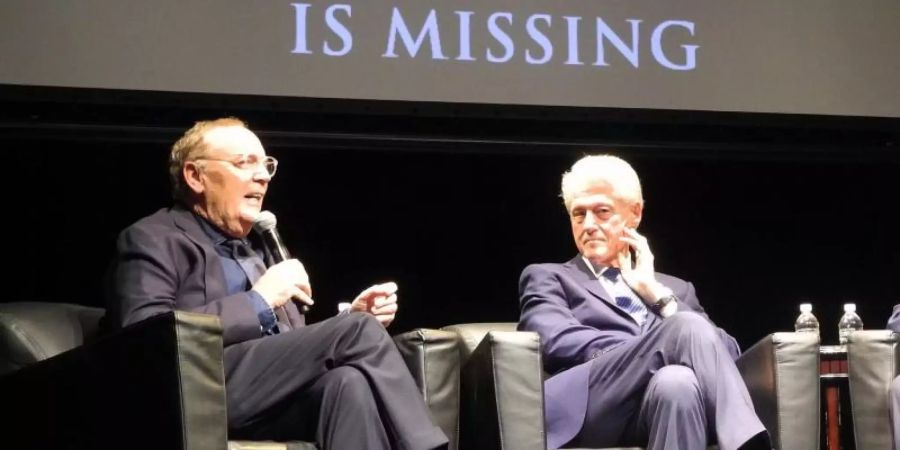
{"points": [[690, 51], [540, 38], [429, 30], [339, 29], [509, 38], [301, 15], [630, 52], [500, 35]]}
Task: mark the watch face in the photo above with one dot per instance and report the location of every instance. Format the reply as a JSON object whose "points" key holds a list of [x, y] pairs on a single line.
{"points": [[662, 302]]}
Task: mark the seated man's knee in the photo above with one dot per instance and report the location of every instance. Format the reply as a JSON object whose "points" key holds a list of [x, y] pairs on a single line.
{"points": [[363, 328], [348, 382], [674, 384], [361, 321], [687, 323]]}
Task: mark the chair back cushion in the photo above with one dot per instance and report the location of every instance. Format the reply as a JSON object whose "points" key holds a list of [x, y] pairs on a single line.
{"points": [[268, 445], [31, 331], [432, 357], [781, 372], [471, 334], [873, 364]]}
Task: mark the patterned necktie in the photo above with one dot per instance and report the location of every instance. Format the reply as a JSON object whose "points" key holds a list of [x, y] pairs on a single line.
{"points": [[626, 300], [254, 267]]}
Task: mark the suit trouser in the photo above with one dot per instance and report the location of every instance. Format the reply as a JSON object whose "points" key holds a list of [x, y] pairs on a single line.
{"points": [[670, 388], [340, 382]]}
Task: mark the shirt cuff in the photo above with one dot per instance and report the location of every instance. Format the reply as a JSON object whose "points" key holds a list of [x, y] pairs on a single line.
{"points": [[264, 312]]}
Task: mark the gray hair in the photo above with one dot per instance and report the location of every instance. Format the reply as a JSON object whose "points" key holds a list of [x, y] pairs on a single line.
{"points": [[608, 169], [190, 146]]}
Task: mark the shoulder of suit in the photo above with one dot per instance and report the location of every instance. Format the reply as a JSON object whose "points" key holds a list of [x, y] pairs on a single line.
{"points": [[159, 225], [162, 217], [543, 267]]}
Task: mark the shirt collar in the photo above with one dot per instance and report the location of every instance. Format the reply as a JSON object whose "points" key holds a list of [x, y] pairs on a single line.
{"points": [[211, 231], [597, 269]]}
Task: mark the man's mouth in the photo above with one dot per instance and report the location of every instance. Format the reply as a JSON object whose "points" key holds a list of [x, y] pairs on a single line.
{"points": [[254, 199]]}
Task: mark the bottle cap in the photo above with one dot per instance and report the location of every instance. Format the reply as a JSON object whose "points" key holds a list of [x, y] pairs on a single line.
{"points": [[849, 307], [806, 307]]}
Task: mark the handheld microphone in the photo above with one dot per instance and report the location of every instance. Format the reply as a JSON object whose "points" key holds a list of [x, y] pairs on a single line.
{"points": [[264, 225]]}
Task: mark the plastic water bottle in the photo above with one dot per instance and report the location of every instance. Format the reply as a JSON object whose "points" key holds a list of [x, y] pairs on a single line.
{"points": [[806, 322], [849, 323]]}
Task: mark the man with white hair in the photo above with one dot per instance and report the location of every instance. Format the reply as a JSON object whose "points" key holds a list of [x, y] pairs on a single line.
{"points": [[634, 359]]}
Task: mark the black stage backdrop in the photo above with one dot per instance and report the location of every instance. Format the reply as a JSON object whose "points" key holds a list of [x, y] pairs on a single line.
{"points": [[758, 216]]}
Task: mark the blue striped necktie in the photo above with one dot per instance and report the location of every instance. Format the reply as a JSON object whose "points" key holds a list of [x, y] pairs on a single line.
{"points": [[625, 298]]}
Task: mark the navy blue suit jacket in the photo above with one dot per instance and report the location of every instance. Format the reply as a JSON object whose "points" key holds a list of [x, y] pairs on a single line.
{"points": [[578, 320], [894, 320], [167, 262]]}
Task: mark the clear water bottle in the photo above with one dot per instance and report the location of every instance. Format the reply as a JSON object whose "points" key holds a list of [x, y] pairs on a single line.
{"points": [[849, 323], [806, 322]]}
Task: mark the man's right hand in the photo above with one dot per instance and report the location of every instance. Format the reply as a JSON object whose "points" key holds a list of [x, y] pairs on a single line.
{"points": [[285, 281]]}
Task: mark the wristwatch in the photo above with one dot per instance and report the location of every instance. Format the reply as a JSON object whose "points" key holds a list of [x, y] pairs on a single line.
{"points": [[662, 302]]}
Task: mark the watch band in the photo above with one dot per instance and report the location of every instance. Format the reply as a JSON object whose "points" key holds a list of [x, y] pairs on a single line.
{"points": [[662, 302]]}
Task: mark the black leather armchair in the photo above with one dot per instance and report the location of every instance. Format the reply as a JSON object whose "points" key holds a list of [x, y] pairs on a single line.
{"points": [[502, 372], [873, 362], [433, 358], [157, 384]]}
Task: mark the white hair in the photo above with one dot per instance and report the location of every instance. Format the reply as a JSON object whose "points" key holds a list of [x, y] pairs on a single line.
{"points": [[596, 169]]}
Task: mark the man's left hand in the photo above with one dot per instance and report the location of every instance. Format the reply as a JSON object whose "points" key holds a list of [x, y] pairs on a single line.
{"points": [[379, 300], [639, 273]]}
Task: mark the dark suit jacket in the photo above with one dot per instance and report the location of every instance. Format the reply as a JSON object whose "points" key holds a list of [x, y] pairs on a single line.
{"points": [[894, 320], [578, 320], [166, 262]]}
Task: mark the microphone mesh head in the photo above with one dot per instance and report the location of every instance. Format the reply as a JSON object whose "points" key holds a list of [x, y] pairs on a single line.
{"points": [[265, 220]]}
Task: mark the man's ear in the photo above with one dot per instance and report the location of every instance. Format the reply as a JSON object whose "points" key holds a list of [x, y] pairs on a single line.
{"points": [[192, 177], [637, 212]]}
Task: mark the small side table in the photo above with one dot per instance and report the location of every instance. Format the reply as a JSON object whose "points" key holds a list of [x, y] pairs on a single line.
{"points": [[837, 423]]}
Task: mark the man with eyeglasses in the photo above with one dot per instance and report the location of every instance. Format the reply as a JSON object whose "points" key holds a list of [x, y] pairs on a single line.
{"points": [[340, 382]]}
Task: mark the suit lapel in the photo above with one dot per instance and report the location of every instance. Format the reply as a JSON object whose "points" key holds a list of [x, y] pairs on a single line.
{"points": [[213, 276], [586, 278]]}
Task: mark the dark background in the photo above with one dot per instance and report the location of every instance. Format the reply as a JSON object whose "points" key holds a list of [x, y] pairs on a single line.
{"points": [[453, 201]]}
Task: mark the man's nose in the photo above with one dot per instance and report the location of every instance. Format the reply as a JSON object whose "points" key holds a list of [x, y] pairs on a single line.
{"points": [[261, 174], [590, 223]]}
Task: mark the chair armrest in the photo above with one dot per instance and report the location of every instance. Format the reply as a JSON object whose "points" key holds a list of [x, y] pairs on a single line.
{"points": [[503, 393], [156, 384], [471, 334], [781, 372], [270, 445], [33, 331], [872, 360], [433, 359]]}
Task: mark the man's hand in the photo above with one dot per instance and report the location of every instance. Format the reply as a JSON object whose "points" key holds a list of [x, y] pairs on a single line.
{"points": [[285, 281], [379, 300], [639, 274]]}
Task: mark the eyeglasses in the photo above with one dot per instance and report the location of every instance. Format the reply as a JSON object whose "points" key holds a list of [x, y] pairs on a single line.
{"points": [[249, 163]]}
